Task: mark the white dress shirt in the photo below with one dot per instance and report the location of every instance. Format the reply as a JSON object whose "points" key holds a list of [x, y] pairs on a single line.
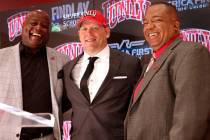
{"points": [[101, 67]]}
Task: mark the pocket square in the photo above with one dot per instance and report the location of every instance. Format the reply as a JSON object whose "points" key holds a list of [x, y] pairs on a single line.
{"points": [[120, 77]]}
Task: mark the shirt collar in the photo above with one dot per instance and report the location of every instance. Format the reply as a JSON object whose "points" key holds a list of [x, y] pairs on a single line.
{"points": [[103, 54], [157, 53], [26, 50]]}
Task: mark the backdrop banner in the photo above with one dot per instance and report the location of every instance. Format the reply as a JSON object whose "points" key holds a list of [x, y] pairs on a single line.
{"points": [[124, 17]]}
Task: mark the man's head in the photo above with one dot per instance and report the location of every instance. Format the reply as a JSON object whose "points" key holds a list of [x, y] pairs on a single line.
{"points": [[35, 30], [93, 31], [161, 23]]}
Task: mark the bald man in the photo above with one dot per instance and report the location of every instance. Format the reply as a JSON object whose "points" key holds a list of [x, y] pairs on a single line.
{"points": [[29, 81], [172, 99]]}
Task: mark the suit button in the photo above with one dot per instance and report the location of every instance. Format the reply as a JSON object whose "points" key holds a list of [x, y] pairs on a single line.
{"points": [[18, 135], [90, 107]]}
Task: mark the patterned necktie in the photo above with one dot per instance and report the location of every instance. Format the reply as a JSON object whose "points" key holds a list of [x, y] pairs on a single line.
{"points": [[84, 80], [152, 60]]}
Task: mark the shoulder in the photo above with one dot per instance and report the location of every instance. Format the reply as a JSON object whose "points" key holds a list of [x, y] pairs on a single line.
{"points": [[52, 50], [125, 59], [59, 55], [123, 55], [71, 63], [187, 48], [189, 54], [9, 49], [190, 46]]}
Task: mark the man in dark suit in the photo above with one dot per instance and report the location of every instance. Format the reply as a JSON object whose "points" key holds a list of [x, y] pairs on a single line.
{"points": [[99, 104], [172, 101]]}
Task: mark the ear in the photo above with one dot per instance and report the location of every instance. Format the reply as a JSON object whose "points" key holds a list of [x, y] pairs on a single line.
{"points": [[177, 26], [24, 23], [107, 32]]}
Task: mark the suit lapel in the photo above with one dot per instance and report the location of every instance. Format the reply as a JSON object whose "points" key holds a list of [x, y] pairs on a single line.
{"points": [[16, 71], [72, 64], [143, 71], [154, 69], [72, 84], [52, 65], [114, 64], [53, 71]]}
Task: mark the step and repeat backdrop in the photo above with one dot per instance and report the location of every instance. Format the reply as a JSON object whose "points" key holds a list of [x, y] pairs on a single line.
{"points": [[124, 18]]}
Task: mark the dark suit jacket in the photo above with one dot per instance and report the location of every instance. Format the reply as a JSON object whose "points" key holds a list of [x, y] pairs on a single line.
{"points": [[173, 102], [103, 118]]}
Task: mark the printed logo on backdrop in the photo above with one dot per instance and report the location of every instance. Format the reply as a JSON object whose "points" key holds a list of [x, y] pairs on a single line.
{"points": [[15, 23], [197, 35], [183, 5], [135, 48], [65, 16], [72, 49], [119, 11]]}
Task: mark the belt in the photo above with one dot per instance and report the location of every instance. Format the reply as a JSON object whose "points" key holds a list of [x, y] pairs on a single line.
{"points": [[33, 133]]}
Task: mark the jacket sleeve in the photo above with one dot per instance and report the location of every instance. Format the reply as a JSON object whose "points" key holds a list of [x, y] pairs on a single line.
{"points": [[192, 91]]}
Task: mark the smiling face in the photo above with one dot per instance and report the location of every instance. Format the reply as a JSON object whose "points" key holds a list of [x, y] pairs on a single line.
{"points": [[35, 31], [160, 25], [93, 37]]}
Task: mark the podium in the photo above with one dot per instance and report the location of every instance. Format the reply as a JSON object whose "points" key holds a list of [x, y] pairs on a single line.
{"points": [[28, 119]]}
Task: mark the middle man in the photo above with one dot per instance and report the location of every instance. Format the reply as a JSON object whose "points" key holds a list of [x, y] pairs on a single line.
{"points": [[99, 83]]}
